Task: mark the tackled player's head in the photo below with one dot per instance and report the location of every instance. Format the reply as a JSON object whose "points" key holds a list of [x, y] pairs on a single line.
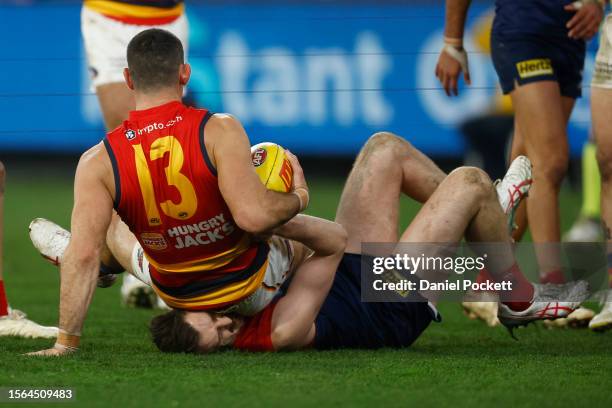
{"points": [[193, 332], [156, 60]]}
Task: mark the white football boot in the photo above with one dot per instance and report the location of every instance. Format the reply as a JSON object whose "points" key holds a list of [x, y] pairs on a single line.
{"points": [[17, 324], [510, 191], [51, 241], [584, 230], [514, 187], [550, 301], [603, 320]]}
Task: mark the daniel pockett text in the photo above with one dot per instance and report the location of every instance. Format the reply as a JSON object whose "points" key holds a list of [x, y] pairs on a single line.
{"points": [[410, 272], [390, 268]]}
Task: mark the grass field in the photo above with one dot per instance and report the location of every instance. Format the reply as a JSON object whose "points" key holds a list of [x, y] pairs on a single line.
{"points": [[458, 362]]}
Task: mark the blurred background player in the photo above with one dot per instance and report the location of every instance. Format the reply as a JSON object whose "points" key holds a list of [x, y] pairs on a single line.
{"points": [[587, 227], [14, 322], [489, 132], [106, 57], [538, 49], [601, 106]]}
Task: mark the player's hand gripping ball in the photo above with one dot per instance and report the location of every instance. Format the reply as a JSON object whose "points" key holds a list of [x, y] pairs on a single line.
{"points": [[272, 166]]}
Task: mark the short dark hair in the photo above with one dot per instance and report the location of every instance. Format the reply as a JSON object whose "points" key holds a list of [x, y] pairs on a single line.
{"points": [[154, 57], [172, 334]]}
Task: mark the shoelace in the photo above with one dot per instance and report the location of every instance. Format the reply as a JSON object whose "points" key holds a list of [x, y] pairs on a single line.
{"points": [[516, 189]]}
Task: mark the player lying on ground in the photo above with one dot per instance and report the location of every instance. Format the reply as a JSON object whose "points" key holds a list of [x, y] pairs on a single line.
{"points": [[182, 181], [14, 322], [463, 203]]}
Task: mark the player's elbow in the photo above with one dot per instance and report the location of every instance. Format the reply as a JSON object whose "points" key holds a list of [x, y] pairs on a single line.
{"points": [[251, 221], [283, 338], [341, 239]]}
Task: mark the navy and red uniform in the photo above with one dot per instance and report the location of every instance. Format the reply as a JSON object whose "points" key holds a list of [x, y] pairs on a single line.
{"points": [[344, 321], [138, 12], [168, 194], [529, 43]]}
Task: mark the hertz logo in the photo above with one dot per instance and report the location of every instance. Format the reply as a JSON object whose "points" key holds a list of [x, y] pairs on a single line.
{"points": [[534, 67]]}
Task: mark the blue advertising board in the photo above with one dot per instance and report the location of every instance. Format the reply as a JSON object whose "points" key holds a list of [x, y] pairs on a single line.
{"points": [[317, 78]]}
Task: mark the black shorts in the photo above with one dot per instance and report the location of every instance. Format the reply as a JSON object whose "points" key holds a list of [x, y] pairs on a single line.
{"points": [[526, 58]]}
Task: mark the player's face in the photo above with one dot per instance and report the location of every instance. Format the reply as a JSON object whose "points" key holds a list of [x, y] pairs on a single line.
{"points": [[215, 331]]}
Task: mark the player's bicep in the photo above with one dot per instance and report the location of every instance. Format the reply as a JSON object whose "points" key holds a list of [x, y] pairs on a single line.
{"points": [[238, 181]]}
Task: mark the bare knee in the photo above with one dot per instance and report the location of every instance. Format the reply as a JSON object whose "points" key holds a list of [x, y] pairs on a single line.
{"points": [[386, 146], [551, 171], [473, 179], [604, 160]]}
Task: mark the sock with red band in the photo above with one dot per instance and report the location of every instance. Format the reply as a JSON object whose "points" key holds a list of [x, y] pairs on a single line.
{"points": [[555, 276], [3, 300], [519, 298]]}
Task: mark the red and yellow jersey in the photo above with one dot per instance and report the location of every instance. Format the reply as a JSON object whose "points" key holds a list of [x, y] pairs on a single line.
{"points": [[139, 12], [166, 191]]}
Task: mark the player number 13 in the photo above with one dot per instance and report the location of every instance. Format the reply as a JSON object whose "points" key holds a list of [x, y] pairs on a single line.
{"points": [[188, 203]]}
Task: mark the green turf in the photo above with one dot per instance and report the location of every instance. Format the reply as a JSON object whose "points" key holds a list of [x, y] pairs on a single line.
{"points": [[458, 362]]}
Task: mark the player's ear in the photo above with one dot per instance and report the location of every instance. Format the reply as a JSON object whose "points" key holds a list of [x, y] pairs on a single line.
{"points": [[184, 74], [128, 78]]}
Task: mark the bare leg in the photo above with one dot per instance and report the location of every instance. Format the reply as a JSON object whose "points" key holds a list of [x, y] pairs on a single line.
{"points": [[601, 103], [465, 204], [120, 243], [520, 217], [116, 101], [386, 166], [542, 115]]}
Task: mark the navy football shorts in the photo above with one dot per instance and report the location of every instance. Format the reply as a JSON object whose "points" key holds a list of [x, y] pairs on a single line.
{"points": [[526, 58]]}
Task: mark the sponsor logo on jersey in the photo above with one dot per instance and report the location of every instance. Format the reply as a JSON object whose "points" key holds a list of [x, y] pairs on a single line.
{"points": [[154, 241], [534, 67], [202, 233], [259, 156], [130, 134]]}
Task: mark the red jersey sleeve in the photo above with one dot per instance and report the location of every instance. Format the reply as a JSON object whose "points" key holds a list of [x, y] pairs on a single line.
{"points": [[256, 333]]}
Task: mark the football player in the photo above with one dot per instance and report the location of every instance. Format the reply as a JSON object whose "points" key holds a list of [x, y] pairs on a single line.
{"points": [[183, 182], [310, 314], [106, 57]]}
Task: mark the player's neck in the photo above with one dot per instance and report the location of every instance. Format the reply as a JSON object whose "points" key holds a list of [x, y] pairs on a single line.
{"points": [[151, 100]]}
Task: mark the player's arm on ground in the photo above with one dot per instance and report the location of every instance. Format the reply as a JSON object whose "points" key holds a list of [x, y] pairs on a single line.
{"points": [[91, 217], [294, 316], [453, 58], [254, 208]]}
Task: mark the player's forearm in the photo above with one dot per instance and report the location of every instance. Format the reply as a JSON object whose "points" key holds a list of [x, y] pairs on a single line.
{"points": [[268, 212], [456, 13], [78, 282], [322, 236]]}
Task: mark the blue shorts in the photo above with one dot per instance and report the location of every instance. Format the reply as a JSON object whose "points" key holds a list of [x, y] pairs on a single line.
{"points": [[344, 321], [527, 58]]}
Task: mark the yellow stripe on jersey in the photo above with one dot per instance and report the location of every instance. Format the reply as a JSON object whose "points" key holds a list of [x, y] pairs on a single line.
{"points": [[228, 294], [206, 264], [124, 10]]}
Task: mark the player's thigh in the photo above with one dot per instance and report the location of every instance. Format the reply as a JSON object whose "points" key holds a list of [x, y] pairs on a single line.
{"points": [[116, 101], [541, 117], [369, 205]]}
